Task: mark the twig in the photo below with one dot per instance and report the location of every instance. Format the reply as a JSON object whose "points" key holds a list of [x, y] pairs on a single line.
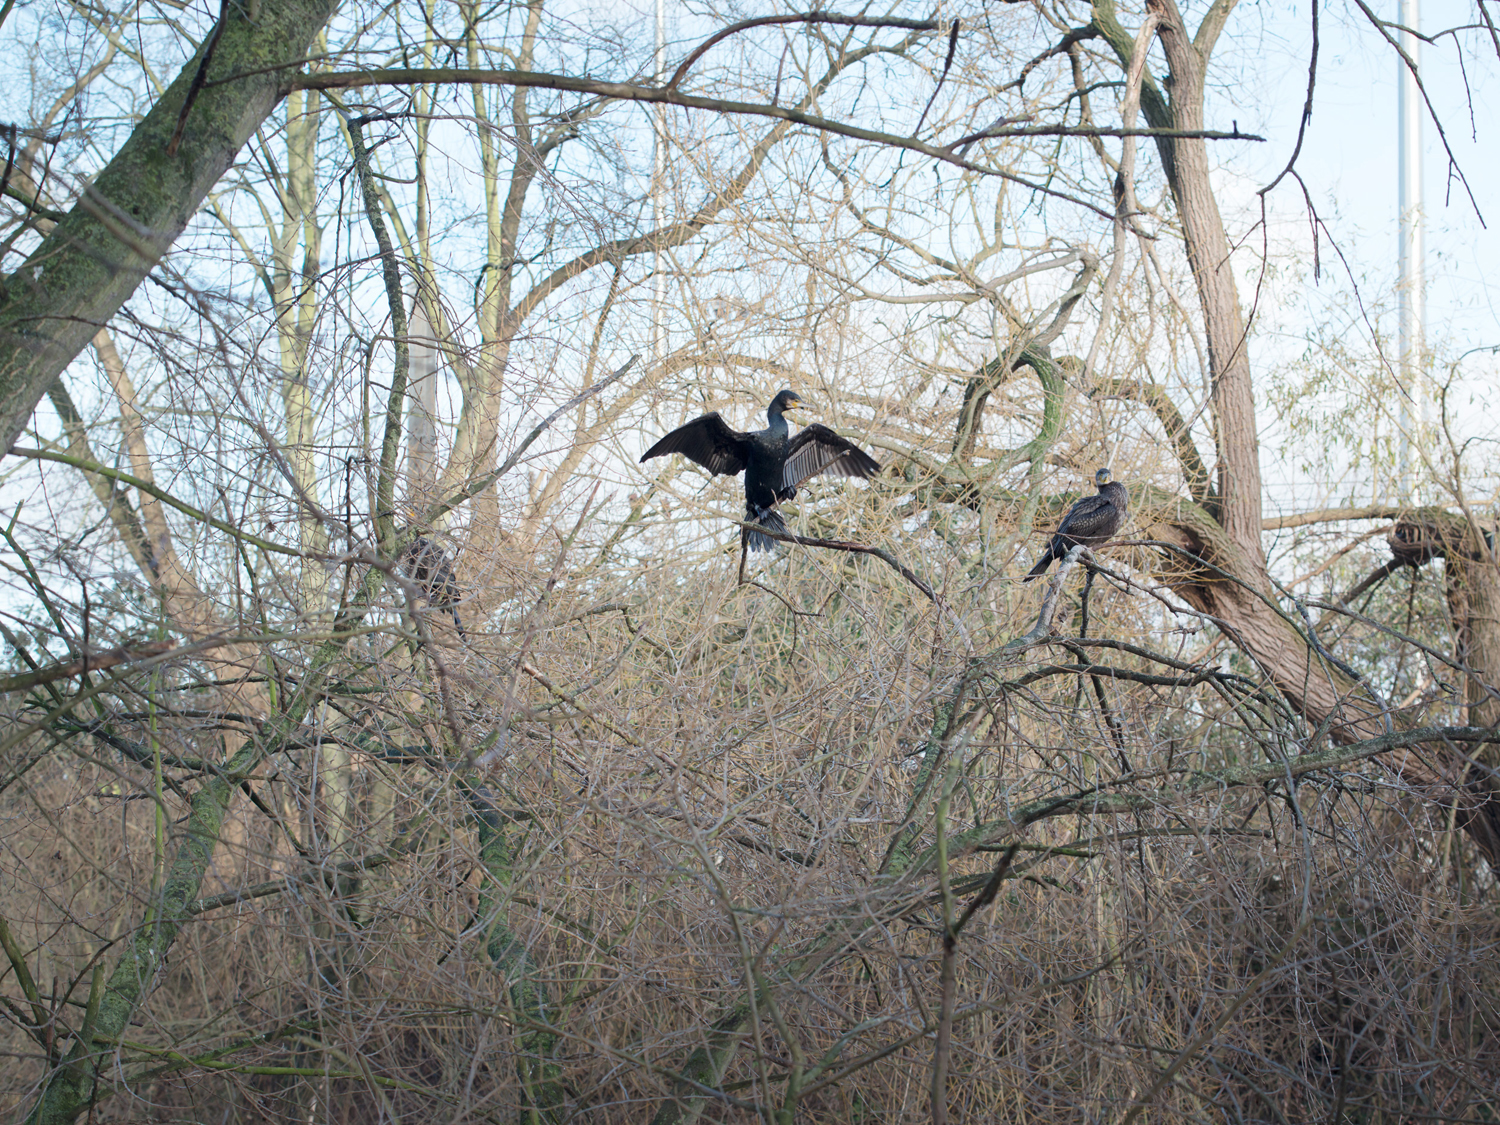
{"points": [[858, 549], [947, 985], [625, 91], [612, 727], [852, 547], [947, 978], [1307, 107], [277, 886], [152, 490], [761, 586], [1374, 578], [479, 484], [1199, 1043], [799, 17], [947, 63]]}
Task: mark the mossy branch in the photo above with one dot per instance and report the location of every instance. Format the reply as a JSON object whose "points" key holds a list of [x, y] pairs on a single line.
{"points": [[390, 444], [96, 256], [540, 1077]]}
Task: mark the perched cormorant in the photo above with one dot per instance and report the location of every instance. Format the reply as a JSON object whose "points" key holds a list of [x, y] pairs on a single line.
{"points": [[774, 462], [1092, 521], [431, 571]]}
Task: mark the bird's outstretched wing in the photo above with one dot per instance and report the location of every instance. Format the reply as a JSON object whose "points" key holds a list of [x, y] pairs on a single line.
{"points": [[710, 442], [818, 449]]}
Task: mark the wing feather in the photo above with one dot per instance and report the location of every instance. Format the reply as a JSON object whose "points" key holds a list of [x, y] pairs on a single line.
{"points": [[1095, 517], [818, 449], [710, 442]]}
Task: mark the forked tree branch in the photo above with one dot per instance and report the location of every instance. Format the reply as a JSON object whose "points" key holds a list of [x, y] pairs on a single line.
{"points": [[851, 547], [884, 556]]}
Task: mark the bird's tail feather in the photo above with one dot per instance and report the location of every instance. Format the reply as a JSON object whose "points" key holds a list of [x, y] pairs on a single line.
{"points": [[1041, 566], [769, 518]]}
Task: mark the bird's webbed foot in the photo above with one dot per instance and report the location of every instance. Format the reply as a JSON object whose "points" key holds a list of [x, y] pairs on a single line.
{"points": [[787, 493]]}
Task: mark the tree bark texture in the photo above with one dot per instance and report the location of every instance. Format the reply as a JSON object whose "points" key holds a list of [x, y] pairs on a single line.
{"points": [[1471, 584], [1239, 483], [129, 217], [1325, 694], [1237, 496]]}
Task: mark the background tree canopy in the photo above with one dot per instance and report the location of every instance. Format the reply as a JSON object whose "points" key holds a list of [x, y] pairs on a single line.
{"points": [[383, 742]]}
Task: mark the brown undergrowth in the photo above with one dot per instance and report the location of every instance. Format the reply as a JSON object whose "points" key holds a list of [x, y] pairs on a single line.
{"points": [[653, 845]]}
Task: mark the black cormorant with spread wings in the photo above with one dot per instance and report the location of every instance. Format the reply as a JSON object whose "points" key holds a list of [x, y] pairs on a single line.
{"points": [[1093, 521], [774, 462]]}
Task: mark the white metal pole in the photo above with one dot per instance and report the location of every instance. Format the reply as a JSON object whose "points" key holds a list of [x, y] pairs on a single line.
{"points": [[1411, 295]]}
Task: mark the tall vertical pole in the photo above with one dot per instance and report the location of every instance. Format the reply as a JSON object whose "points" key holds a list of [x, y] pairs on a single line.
{"points": [[1411, 287], [658, 165]]}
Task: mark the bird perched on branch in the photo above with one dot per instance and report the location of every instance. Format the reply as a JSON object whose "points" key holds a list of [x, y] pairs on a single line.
{"points": [[431, 571], [774, 462], [1093, 521]]}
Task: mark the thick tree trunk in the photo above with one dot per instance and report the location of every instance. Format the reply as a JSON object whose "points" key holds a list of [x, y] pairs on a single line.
{"points": [[1225, 532], [1231, 591], [1236, 502], [1235, 588], [92, 261], [1239, 483], [1472, 583], [1321, 691]]}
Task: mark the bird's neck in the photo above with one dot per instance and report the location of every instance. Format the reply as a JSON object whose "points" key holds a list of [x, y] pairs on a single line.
{"points": [[778, 427]]}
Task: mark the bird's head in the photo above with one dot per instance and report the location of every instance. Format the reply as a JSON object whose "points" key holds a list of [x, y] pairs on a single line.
{"points": [[1103, 477], [785, 403]]}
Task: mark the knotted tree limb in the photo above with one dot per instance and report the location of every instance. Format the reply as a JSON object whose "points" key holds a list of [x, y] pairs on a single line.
{"points": [[90, 662]]}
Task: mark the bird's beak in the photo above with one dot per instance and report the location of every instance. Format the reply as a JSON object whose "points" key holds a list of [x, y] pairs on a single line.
{"points": [[798, 405]]}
